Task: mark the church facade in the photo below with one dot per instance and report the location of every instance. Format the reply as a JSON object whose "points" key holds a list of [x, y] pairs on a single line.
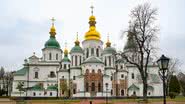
{"points": [[88, 70]]}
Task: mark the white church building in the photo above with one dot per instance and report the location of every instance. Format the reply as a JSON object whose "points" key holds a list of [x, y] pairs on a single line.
{"points": [[90, 69]]}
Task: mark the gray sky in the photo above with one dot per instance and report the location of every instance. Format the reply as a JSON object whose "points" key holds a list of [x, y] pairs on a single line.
{"points": [[24, 25]]}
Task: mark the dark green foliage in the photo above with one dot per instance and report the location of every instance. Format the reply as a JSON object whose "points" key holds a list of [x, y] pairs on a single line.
{"points": [[174, 86], [182, 83], [20, 87]]}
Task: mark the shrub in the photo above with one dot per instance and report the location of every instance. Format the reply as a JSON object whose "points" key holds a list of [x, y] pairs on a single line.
{"points": [[173, 95]]}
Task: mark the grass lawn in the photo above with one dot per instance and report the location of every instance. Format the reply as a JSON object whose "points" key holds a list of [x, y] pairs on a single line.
{"points": [[177, 99]]}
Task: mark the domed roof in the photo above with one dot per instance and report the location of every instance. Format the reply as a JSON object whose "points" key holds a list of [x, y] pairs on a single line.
{"points": [[93, 59], [52, 43], [66, 59], [76, 49], [109, 50]]}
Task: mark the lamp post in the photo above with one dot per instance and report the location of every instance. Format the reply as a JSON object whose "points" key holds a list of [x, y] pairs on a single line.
{"points": [[106, 93], [163, 72]]}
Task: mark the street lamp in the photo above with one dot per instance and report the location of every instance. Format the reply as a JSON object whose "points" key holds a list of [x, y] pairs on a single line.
{"points": [[163, 72], [106, 93]]}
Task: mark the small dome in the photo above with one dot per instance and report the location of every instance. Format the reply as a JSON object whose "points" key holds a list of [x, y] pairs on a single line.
{"points": [[92, 18], [52, 43], [109, 50], [66, 59], [76, 49]]}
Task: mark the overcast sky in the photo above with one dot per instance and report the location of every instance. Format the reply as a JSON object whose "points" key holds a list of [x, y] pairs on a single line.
{"points": [[24, 25]]}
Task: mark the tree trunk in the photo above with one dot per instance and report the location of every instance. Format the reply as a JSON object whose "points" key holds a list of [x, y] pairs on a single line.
{"points": [[145, 88]]}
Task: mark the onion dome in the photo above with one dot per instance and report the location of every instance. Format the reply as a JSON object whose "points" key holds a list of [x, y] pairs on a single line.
{"points": [[92, 34], [76, 48], [66, 59], [108, 48], [52, 42]]}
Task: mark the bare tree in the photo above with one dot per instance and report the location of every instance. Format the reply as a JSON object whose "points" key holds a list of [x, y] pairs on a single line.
{"points": [[144, 33], [8, 79]]}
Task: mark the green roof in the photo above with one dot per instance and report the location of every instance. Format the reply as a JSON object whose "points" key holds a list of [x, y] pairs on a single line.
{"points": [[52, 43], [52, 87], [76, 49], [66, 59], [37, 87], [109, 50], [21, 72], [133, 87], [92, 59]]}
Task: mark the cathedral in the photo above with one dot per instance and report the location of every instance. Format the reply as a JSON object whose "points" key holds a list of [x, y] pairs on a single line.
{"points": [[90, 69]]}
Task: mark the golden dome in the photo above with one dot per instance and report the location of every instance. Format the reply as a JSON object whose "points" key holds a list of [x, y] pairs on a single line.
{"points": [[92, 34], [77, 41], [108, 44], [65, 51], [52, 29]]}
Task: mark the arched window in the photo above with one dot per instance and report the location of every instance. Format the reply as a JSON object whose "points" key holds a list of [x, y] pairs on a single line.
{"points": [[121, 67], [36, 75], [76, 60], [93, 71], [65, 67], [50, 93], [132, 75], [122, 75], [111, 92], [97, 52], [87, 54], [93, 86], [50, 56], [99, 87], [74, 77], [92, 51], [87, 86], [99, 71], [57, 56], [80, 60], [72, 60], [34, 94], [52, 74], [134, 93], [109, 60], [74, 91], [87, 71], [105, 61], [122, 92]]}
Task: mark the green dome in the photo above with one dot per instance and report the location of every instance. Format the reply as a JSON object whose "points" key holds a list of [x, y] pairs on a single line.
{"points": [[52, 43], [77, 49], [109, 50], [66, 59], [93, 59]]}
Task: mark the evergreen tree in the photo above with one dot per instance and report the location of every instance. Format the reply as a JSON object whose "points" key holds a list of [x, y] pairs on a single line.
{"points": [[174, 87]]}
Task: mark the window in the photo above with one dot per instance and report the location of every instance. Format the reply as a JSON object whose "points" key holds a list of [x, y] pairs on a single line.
{"points": [[74, 91], [87, 54], [149, 93], [52, 74], [34, 94], [134, 93], [56, 56], [64, 66], [75, 60], [111, 78], [97, 52], [111, 92], [132, 75], [74, 77], [122, 92], [72, 60], [50, 93], [92, 51], [99, 87], [80, 60], [69, 66], [87, 71], [93, 87], [62, 77], [122, 75], [99, 71], [109, 60], [105, 61], [121, 67], [93, 71], [50, 57], [87, 87], [36, 75], [62, 92]]}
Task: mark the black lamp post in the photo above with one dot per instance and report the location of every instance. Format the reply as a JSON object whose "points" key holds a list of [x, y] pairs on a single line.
{"points": [[106, 93], [163, 72]]}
